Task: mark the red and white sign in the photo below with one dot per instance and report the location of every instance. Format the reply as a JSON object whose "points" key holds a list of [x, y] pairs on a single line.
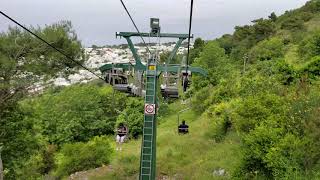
{"points": [[150, 109]]}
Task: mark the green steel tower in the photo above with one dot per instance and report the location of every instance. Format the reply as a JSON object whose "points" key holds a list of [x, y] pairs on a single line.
{"points": [[151, 71]]}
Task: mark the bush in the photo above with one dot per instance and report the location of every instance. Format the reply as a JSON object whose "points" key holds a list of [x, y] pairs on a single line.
{"points": [[310, 46], [267, 50], [220, 121], [198, 102], [38, 165], [132, 117], [284, 145], [254, 111], [312, 68], [285, 157], [293, 24], [83, 156], [76, 113], [257, 143], [31, 169]]}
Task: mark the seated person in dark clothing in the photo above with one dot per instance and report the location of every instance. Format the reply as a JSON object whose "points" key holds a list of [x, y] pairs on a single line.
{"points": [[183, 128]]}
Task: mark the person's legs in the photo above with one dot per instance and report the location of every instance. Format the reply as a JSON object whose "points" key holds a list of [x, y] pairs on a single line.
{"points": [[121, 141], [118, 141]]}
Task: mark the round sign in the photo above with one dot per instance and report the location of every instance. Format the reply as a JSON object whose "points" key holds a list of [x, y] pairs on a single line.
{"points": [[149, 108]]}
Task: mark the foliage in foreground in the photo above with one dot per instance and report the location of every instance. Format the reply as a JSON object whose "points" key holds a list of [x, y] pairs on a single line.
{"points": [[24, 62], [269, 95], [83, 156]]}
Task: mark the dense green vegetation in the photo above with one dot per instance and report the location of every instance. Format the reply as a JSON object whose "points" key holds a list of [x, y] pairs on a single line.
{"points": [[25, 61], [256, 115], [263, 84]]}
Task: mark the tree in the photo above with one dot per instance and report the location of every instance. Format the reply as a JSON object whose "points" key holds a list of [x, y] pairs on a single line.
{"points": [[94, 46], [198, 43], [132, 116], [226, 42], [273, 17], [293, 23], [242, 32], [176, 60], [267, 50], [263, 29], [64, 117], [215, 61], [25, 61], [197, 49], [310, 46]]}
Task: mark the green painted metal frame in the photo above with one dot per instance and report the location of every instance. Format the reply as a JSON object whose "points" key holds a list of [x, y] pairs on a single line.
{"points": [[138, 65], [149, 139], [161, 35], [161, 68], [174, 51]]}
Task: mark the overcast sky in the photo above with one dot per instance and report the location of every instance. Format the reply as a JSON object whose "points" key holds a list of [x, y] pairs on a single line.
{"points": [[96, 21]]}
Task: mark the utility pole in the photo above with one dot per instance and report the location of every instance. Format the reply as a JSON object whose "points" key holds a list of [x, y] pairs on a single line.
{"points": [[245, 58]]}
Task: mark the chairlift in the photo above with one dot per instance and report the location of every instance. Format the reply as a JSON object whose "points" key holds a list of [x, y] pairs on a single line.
{"points": [[169, 89], [182, 129], [118, 78], [185, 79]]}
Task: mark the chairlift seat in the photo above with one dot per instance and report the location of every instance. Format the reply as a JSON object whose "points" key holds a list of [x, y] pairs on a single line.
{"points": [[183, 130], [122, 88], [170, 92]]}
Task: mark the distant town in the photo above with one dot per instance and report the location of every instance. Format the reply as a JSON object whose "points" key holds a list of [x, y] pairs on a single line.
{"points": [[98, 56]]}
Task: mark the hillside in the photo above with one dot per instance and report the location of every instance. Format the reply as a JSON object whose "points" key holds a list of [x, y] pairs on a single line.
{"points": [[193, 156], [256, 116], [257, 113]]}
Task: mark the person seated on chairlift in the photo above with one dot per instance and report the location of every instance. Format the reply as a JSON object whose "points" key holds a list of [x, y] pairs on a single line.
{"points": [[122, 131], [183, 128]]}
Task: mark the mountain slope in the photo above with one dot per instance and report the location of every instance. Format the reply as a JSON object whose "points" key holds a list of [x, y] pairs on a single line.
{"points": [[193, 156]]}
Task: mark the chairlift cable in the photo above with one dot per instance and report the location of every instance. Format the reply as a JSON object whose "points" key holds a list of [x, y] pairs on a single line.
{"points": [[136, 27], [189, 37], [46, 42]]}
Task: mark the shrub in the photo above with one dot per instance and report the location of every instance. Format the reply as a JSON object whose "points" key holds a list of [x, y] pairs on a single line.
{"points": [[31, 169], [76, 113], [132, 117], [267, 50], [83, 156], [253, 111], [38, 164], [312, 68], [220, 121], [262, 29], [257, 143], [293, 23], [310, 46], [198, 102], [285, 157]]}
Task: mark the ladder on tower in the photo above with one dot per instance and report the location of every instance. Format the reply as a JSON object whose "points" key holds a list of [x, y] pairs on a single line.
{"points": [[148, 147]]}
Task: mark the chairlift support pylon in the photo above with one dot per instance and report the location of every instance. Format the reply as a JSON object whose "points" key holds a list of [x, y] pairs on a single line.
{"points": [[152, 71]]}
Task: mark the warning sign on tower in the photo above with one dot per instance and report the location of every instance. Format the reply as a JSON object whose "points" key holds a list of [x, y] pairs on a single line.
{"points": [[150, 109]]}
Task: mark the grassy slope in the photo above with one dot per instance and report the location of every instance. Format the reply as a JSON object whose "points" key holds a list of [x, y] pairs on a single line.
{"points": [[292, 55], [192, 156]]}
